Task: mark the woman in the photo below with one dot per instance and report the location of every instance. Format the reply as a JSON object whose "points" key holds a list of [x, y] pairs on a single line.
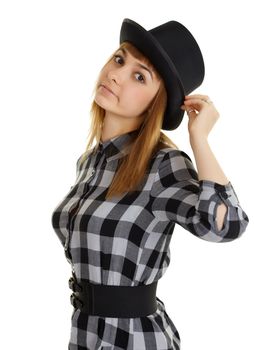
{"points": [[117, 220]]}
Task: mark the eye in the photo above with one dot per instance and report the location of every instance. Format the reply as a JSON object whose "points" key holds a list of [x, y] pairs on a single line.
{"points": [[143, 78], [117, 56]]}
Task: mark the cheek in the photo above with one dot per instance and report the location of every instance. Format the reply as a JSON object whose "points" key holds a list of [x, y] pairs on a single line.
{"points": [[137, 96], [103, 73]]}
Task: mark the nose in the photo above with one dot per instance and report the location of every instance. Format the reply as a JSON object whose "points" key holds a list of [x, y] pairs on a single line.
{"points": [[112, 75], [118, 75]]}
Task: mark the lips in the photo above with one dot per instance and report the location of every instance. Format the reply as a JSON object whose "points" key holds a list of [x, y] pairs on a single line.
{"points": [[106, 87]]}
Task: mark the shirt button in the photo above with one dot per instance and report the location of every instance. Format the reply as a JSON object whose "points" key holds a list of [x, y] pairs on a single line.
{"points": [[91, 174], [224, 195]]}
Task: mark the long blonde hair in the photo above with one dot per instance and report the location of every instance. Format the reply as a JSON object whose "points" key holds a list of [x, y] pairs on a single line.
{"points": [[149, 140]]}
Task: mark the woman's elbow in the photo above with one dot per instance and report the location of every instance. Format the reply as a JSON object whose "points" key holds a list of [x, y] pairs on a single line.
{"points": [[232, 223], [228, 225]]}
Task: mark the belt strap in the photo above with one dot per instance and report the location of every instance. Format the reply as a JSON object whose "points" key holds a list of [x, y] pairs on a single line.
{"points": [[113, 301]]}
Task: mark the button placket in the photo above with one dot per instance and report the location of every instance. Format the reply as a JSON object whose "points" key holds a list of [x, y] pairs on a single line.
{"points": [[88, 178], [66, 247]]}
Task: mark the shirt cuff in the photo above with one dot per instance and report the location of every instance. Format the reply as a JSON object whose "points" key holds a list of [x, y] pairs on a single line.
{"points": [[224, 193]]}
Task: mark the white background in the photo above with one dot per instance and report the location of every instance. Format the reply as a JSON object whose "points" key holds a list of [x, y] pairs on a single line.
{"points": [[51, 54]]}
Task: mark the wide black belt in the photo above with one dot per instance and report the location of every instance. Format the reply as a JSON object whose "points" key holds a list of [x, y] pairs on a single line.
{"points": [[113, 301]]}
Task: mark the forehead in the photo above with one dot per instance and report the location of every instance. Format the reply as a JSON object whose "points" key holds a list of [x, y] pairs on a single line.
{"points": [[136, 55], [145, 66]]}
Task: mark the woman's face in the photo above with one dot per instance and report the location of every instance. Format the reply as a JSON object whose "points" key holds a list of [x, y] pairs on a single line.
{"points": [[133, 86]]}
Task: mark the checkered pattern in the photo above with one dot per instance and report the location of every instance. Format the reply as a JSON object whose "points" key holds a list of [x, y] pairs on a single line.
{"points": [[125, 240]]}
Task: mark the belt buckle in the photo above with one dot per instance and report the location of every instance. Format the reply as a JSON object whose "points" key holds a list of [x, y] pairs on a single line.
{"points": [[80, 297], [73, 284], [76, 302]]}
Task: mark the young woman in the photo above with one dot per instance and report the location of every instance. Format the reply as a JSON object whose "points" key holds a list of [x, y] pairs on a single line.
{"points": [[134, 185]]}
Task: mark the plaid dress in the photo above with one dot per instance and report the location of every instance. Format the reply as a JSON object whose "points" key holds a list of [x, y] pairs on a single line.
{"points": [[125, 241]]}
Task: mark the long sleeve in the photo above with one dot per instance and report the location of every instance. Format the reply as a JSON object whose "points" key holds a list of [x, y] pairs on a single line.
{"points": [[183, 199]]}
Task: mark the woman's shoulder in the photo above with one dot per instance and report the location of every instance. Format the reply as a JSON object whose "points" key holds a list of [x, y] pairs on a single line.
{"points": [[167, 152], [84, 157]]}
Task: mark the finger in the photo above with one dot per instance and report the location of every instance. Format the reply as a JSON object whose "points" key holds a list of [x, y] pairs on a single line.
{"points": [[191, 112], [189, 109], [197, 96], [197, 101], [198, 105]]}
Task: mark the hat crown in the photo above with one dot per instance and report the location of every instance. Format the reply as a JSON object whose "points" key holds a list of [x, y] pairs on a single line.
{"points": [[183, 50]]}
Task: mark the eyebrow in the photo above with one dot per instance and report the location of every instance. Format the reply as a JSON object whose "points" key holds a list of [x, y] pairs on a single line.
{"points": [[139, 64]]}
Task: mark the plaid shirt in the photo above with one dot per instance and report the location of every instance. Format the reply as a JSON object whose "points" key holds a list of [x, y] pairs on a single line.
{"points": [[125, 240]]}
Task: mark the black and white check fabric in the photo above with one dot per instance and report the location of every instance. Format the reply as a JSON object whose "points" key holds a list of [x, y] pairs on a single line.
{"points": [[125, 241]]}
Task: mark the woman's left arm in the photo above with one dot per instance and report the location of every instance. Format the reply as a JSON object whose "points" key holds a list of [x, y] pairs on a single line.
{"points": [[209, 169], [202, 117]]}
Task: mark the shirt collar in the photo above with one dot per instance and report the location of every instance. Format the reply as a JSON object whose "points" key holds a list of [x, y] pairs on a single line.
{"points": [[117, 146]]}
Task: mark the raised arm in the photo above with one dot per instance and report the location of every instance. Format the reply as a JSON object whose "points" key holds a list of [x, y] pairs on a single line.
{"points": [[199, 127], [209, 169], [180, 197], [203, 202]]}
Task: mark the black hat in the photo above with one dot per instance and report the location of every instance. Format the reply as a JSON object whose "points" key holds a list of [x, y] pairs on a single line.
{"points": [[174, 52]]}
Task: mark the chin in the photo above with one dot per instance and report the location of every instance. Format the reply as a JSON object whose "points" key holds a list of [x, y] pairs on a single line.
{"points": [[102, 102]]}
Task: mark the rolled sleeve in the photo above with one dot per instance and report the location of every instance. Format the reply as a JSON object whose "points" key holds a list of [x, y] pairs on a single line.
{"points": [[180, 197]]}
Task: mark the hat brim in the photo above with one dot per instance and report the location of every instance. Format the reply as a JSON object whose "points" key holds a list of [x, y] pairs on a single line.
{"points": [[146, 43]]}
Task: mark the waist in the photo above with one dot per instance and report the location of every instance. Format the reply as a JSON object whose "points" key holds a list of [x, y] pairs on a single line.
{"points": [[113, 301]]}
